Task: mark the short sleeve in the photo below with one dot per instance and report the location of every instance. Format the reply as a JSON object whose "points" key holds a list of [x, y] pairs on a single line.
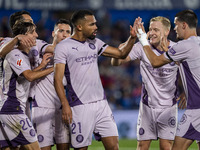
{"points": [[41, 45], [136, 51], [17, 61], [101, 46], [178, 52], [60, 54]]}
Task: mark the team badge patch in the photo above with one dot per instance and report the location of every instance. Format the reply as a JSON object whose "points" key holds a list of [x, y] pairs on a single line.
{"points": [[34, 52], [19, 62], [32, 132], [40, 138], [79, 138], [141, 131], [172, 122], [183, 119], [92, 46]]}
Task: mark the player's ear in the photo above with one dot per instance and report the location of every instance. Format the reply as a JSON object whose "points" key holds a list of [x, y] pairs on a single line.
{"points": [[79, 27], [184, 25]]}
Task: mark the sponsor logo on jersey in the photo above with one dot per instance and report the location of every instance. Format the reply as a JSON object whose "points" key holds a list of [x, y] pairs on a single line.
{"points": [[19, 62], [171, 50], [75, 48]]}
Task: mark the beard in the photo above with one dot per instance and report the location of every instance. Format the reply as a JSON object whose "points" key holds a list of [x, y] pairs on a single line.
{"points": [[92, 37]]}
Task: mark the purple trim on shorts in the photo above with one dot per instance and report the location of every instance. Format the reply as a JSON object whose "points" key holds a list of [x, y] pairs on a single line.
{"points": [[4, 143], [12, 105], [176, 94], [34, 103], [72, 97], [192, 134], [144, 95], [193, 101], [19, 140], [97, 136]]}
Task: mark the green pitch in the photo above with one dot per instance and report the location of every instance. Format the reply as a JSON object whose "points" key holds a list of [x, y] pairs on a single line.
{"points": [[127, 144]]}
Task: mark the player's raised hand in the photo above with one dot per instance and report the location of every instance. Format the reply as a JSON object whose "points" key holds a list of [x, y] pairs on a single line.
{"points": [[164, 44], [133, 28], [47, 57], [66, 113], [141, 34], [26, 40]]}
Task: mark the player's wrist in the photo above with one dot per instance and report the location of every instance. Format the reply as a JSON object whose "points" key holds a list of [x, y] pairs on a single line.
{"points": [[142, 36]]}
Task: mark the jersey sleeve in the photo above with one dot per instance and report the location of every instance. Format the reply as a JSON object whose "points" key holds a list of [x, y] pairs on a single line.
{"points": [[18, 62], [101, 46], [136, 51], [42, 45], [60, 54], [178, 52]]}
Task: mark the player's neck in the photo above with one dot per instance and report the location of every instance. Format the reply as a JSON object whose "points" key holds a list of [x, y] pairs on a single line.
{"points": [[79, 37], [190, 33], [24, 49]]}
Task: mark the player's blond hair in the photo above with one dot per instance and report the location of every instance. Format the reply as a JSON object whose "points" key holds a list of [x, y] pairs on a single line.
{"points": [[166, 22]]}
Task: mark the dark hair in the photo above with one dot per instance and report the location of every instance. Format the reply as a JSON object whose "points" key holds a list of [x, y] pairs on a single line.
{"points": [[17, 16], [189, 17], [21, 27], [63, 21], [80, 14]]}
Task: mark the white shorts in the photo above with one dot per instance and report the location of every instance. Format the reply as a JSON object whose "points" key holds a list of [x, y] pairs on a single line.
{"points": [[16, 130], [156, 123], [49, 126], [88, 118], [189, 125]]}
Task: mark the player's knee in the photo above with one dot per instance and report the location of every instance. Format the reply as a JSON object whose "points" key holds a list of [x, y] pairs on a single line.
{"points": [[113, 147], [142, 145]]}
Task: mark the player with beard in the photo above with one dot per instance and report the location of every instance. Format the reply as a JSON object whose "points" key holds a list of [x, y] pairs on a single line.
{"points": [[86, 109]]}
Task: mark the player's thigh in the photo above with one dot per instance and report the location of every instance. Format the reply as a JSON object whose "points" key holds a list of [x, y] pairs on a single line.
{"points": [[167, 123], [61, 130], [43, 119], [105, 124], [63, 146], [110, 143], [146, 124], [82, 125], [181, 143], [31, 146]]}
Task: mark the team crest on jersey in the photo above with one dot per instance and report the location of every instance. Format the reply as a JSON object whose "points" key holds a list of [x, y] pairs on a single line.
{"points": [[172, 122], [183, 119], [171, 50], [79, 138], [92, 46], [19, 62], [34, 52]]}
